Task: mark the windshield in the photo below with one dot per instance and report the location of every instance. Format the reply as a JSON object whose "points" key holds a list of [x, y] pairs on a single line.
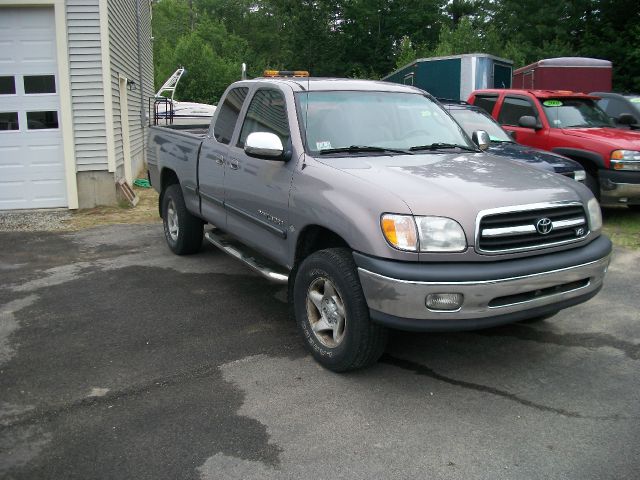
{"points": [[635, 102], [575, 113], [472, 120], [385, 120]]}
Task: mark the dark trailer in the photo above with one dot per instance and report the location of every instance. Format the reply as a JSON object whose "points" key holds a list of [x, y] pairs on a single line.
{"points": [[456, 76]]}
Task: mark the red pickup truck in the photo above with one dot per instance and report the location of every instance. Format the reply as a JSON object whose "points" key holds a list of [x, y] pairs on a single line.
{"points": [[572, 125]]}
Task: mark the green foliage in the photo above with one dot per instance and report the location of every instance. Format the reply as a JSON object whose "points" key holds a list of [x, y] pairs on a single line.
{"points": [[371, 38]]}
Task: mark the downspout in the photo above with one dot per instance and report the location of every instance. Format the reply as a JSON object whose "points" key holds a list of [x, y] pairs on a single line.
{"points": [[142, 110]]}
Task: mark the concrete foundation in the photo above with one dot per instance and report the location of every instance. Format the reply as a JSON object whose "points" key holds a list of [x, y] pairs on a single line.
{"points": [[96, 188]]}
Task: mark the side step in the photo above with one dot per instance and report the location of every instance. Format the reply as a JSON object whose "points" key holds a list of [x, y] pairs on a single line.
{"points": [[263, 266]]}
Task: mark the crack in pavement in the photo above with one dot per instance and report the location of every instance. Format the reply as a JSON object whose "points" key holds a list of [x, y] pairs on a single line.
{"points": [[585, 340], [53, 411], [419, 369]]}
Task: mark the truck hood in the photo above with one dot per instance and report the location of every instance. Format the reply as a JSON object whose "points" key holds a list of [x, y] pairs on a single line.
{"points": [[614, 137], [457, 185], [535, 157]]}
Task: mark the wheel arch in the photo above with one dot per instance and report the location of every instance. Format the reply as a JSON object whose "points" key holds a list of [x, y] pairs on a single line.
{"points": [[591, 161], [316, 237], [167, 177]]}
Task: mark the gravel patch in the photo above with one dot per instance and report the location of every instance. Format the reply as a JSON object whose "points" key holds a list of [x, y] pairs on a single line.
{"points": [[34, 220]]}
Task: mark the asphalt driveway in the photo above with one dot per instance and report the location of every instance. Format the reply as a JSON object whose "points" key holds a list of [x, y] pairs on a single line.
{"points": [[120, 360]]}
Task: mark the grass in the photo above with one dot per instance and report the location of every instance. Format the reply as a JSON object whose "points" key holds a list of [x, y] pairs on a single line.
{"points": [[622, 226], [146, 211]]}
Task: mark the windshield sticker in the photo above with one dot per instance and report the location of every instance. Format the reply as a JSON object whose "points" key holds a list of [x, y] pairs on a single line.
{"points": [[323, 145], [635, 100], [552, 103]]}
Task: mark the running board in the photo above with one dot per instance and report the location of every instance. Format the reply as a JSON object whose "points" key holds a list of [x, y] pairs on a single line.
{"points": [[263, 266]]}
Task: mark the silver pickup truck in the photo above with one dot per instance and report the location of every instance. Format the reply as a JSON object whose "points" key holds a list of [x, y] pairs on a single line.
{"points": [[377, 210]]}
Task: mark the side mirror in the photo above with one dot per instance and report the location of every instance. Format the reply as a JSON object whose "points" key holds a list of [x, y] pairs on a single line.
{"points": [[481, 139], [529, 121], [513, 134], [264, 145], [626, 119]]}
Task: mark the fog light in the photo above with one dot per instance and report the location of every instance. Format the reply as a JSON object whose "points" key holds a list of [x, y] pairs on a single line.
{"points": [[444, 301]]}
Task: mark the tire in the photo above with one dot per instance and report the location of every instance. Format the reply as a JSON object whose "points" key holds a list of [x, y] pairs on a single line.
{"points": [[541, 318], [182, 231], [327, 295], [593, 184]]}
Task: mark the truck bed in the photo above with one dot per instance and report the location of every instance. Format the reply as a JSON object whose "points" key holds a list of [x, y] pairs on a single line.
{"points": [[199, 131]]}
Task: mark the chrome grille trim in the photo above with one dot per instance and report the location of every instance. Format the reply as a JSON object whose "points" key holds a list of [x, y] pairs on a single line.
{"points": [[522, 233]]}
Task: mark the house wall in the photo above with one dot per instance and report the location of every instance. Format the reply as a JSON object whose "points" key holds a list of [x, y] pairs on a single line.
{"points": [[123, 56], [96, 185]]}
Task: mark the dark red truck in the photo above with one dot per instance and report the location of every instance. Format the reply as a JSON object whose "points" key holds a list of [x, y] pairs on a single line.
{"points": [[572, 125]]}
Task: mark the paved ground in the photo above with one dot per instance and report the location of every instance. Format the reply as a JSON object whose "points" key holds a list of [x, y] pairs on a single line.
{"points": [[120, 360]]}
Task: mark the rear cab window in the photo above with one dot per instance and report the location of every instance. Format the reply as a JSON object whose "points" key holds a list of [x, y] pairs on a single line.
{"points": [[229, 113], [486, 102]]}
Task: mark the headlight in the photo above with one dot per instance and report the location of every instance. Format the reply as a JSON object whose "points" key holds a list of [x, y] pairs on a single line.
{"points": [[579, 175], [440, 234], [400, 231], [625, 160], [595, 215], [426, 234]]}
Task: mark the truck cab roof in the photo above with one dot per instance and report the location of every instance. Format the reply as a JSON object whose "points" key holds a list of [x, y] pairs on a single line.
{"points": [[333, 84], [536, 93]]}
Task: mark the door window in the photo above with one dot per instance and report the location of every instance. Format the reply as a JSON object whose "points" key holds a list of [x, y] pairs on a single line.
{"points": [[267, 112], [486, 102], [513, 108], [228, 115]]}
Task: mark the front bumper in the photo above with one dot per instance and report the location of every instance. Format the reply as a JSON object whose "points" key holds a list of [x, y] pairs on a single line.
{"points": [[494, 292], [620, 187]]}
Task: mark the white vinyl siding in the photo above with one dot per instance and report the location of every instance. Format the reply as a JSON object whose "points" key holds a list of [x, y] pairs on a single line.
{"points": [[124, 63], [87, 95]]}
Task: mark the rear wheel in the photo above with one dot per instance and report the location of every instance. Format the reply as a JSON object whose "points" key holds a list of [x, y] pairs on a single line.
{"points": [[332, 313], [182, 230]]}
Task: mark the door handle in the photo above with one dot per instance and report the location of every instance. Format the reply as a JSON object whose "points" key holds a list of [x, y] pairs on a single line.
{"points": [[219, 158], [233, 164]]}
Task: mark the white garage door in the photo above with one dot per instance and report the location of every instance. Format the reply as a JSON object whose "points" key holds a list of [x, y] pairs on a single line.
{"points": [[31, 158]]}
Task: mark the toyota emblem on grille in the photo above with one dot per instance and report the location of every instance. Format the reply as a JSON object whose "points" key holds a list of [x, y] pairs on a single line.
{"points": [[544, 226]]}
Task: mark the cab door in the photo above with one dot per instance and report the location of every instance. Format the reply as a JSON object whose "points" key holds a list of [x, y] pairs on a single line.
{"points": [[257, 190], [510, 111], [213, 157]]}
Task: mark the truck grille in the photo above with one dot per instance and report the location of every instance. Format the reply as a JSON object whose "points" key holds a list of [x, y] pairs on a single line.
{"points": [[529, 228]]}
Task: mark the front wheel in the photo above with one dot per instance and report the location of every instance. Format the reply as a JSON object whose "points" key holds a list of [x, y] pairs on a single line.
{"points": [[332, 313], [182, 230]]}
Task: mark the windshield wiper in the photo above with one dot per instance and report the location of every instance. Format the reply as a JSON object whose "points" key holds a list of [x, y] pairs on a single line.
{"points": [[364, 149], [442, 146]]}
